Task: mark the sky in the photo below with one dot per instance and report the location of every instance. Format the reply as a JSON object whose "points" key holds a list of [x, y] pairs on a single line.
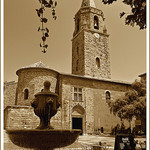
{"points": [[21, 39]]}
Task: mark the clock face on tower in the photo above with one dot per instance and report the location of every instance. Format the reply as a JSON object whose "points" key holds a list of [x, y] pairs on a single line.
{"points": [[96, 35]]}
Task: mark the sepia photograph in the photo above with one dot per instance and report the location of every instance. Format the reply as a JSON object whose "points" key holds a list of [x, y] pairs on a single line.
{"points": [[74, 75]]}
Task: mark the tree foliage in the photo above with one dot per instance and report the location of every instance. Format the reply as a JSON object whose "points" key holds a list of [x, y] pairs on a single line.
{"points": [[40, 13], [132, 104], [137, 15]]}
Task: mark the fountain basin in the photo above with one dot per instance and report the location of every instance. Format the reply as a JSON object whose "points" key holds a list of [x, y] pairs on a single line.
{"points": [[43, 139]]}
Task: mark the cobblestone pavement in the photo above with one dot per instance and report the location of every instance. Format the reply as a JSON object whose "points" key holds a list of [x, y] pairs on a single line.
{"points": [[89, 140]]}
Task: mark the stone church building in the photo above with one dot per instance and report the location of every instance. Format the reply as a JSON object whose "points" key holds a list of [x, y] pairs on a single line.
{"points": [[84, 94]]}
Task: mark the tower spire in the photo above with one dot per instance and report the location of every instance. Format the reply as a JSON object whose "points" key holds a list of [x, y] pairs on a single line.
{"points": [[88, 3]]}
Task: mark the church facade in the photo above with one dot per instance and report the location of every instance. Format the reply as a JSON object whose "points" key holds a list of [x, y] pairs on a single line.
{"points": [[84, 95]]}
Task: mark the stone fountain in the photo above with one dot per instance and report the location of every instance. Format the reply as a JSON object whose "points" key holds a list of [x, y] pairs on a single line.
{"points": [[44, 137]]}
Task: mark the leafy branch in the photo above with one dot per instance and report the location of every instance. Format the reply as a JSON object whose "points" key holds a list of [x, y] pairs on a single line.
{"points": [[40, 12], [137, 16]]}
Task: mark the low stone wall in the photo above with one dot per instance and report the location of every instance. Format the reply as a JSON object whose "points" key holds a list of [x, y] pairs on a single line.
{"points": [[20, 117], [9, 93], [23, 117]]}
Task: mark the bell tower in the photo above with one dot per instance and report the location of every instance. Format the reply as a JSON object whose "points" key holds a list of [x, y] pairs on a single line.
{"points": [[90, 52]]}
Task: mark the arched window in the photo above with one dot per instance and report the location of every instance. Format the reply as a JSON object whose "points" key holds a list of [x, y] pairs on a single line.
{"points": [[26, 94], [108, 97], [96, 24], [97, 62], [77, 63], [78, 24]]}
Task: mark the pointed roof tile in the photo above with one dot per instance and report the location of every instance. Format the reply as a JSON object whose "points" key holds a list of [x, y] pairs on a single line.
{"points": [[37, 65]]}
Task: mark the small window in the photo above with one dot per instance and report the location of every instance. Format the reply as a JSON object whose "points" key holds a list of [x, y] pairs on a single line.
{"points": [[78, 24], [108, 97], [77, 94], [77, 63], [97, 62], [96, 24], [26, 94]]}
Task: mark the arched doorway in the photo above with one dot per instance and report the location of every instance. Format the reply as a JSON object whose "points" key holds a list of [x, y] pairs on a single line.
{"points": [[78, 118]]}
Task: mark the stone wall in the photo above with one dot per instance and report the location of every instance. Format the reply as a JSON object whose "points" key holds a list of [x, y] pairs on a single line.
{"points": [[23, 117], [96, 47], [69, 104], [89, 110], [33, 79], [9, 93], [20, 117], [86, 19], [97, 113], [102, 115], [105, 84], [78, 54], [91, 45]]}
